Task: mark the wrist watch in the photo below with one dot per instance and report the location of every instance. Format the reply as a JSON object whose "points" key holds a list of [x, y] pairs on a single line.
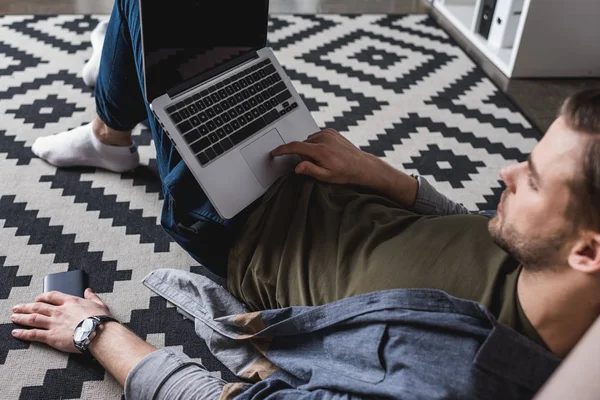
{"points": [[85, 332]]}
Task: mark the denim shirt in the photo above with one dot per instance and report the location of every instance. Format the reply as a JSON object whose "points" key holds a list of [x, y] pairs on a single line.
{"points": [[396, 344]]}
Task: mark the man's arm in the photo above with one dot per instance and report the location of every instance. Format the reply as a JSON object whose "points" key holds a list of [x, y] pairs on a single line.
{"points": [[144, 371], [330, 157]]}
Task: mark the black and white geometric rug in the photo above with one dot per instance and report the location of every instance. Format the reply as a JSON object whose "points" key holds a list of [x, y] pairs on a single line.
{"points": [[396, 86]]}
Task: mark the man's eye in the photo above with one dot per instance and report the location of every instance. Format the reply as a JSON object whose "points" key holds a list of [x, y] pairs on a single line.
{"points": [[531, 183]]}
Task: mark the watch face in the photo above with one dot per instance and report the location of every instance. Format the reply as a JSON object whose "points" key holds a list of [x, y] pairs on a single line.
{"points": [[84, 330]]}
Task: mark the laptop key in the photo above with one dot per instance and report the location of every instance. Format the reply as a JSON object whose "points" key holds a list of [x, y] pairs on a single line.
{"points": [[200, 145], [202, 158], [218, 149], [219, 121], [181, 104], [195, 121], [215, 97], [226, 117], [237, 87], [207, 102], [243, 82], [252, 90], [245, 93], [262, 109], [218, 109], [226, 143], [211, 125], [235, 125], [229, 90], [224, 105], [255, 113], [269, 69], [249, 130], [279, 87], [210, 112], [171, 109], [221, 133], [210, 153], [188, 100], [176, 118], [222, 93], [239, 98], [228, 129], [274, 102], [246, 106], [248, 117], [294, 105], [232, 101], [200, 105], [213, 137], [192, 109], [239, 109], [232, 113], [184, 126], [203, 130], [184, 113], [262, 73], [252, 102], [281, 97], [242, 120], [219, 84], [192, 136], [203, 117]]}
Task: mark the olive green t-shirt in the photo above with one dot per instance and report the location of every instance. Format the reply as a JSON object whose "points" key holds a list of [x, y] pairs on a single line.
{"points": [[310, 243]]}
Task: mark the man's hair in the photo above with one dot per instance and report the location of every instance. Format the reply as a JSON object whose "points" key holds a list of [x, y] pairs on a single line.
{"points": [[581, 112]]}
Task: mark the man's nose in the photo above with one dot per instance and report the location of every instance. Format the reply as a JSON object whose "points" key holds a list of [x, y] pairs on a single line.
{"points": [[508, 174]]}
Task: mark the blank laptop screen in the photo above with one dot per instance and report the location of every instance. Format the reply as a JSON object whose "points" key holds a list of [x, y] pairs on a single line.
{"points": [[183, 39]]}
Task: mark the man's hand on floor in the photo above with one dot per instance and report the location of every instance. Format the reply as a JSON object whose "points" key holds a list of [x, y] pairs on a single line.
{"points": [[330, 157], [54, 317]]}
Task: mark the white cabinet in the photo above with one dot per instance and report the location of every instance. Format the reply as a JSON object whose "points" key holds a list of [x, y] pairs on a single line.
{"points": [[532, 38]]}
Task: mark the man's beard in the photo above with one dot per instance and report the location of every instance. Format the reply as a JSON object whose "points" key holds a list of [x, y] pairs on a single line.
{"points": [[535, 253]]}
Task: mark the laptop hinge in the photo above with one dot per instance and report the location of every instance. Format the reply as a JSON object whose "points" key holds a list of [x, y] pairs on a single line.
{"points": [[191, 83]]}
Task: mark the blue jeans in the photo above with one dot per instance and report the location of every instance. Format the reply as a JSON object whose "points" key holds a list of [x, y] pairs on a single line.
{"points": [[187, 214]]}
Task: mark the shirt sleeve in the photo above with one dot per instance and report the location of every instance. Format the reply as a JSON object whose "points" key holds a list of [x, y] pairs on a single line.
{"points": [[431, 202], [167, 374]]}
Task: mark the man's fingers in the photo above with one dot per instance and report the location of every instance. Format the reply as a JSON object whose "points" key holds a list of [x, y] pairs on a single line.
{"points": [[34, 308], [54, 297], [300, 148], [308, 168], [33, 320], [88, 294], [33, 335]]}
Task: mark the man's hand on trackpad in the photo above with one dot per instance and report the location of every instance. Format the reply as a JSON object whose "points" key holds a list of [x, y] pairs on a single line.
{"points": [[330, 157]]}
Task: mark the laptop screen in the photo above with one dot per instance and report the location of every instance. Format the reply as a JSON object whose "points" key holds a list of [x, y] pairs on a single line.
{"points": [[183, 39]]}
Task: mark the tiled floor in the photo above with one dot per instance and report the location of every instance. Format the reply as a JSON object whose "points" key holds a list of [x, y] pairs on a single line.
{"points": [[539, 98]]}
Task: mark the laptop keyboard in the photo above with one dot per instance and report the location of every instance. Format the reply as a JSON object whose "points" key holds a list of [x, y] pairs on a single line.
{"points": [[232, 110]]}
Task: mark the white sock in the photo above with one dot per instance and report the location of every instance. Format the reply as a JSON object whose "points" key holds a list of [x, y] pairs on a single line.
{"points": [[91, 68], [81, 147]]}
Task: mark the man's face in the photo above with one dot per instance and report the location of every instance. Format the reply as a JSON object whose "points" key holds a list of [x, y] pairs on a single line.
{"points": [[531, 224]]}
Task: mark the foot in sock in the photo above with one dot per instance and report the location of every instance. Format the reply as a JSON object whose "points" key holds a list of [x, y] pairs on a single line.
{"points": [[91, 68], [81, 147]]}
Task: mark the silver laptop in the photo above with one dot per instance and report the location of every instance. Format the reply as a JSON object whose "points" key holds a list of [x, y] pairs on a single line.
{"points": [[221, 95]]}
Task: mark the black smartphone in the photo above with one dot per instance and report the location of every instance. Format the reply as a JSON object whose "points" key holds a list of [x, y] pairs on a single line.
{"points": [[70, 282]]}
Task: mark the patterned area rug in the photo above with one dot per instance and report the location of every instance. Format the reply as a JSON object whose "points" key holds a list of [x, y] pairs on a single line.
{"points": [[397, 86]]}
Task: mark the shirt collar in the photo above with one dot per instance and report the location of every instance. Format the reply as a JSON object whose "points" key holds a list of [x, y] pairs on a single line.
{"points": [[513, 356]]}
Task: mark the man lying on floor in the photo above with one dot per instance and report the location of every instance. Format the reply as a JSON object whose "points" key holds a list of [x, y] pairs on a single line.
{"points": [[344, 229]]}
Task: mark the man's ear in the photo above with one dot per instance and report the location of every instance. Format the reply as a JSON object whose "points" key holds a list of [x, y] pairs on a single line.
{"points": [[585, 255]]}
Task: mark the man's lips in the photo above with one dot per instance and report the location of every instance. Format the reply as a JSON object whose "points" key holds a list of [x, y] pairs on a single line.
{"points": [[501, 202]]}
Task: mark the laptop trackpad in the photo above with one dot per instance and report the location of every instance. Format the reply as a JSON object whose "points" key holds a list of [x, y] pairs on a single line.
{"points": [[266, 168]]}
